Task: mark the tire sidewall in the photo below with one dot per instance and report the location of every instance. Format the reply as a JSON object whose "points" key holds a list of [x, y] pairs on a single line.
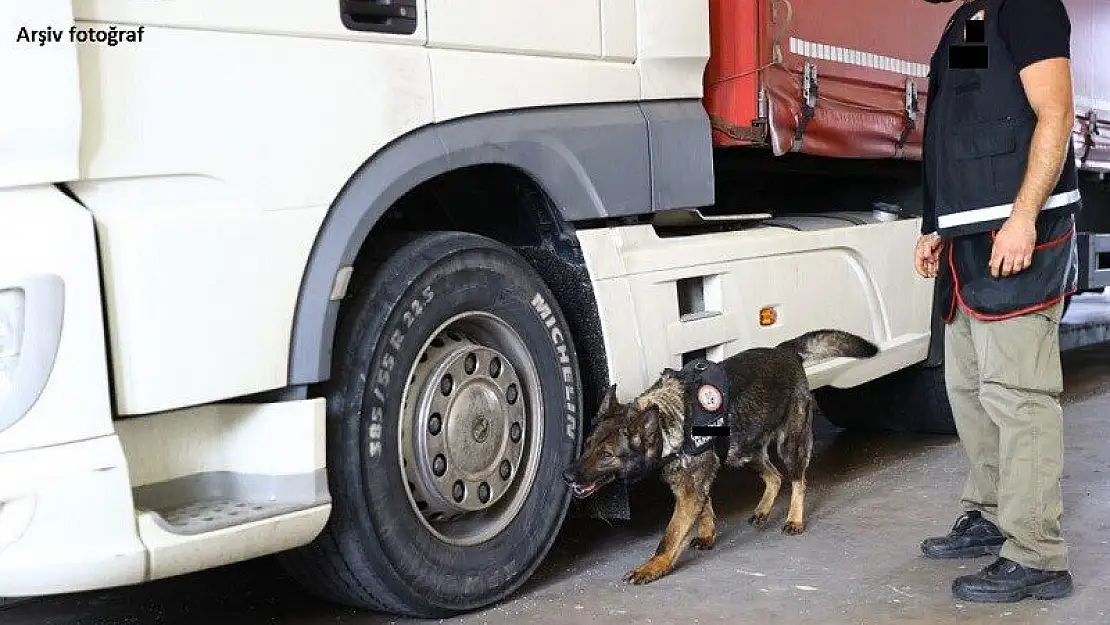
{"points": [[470, 274]]}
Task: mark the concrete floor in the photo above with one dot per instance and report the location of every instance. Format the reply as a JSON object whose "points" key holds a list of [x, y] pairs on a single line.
{"points": [[872, 499]]}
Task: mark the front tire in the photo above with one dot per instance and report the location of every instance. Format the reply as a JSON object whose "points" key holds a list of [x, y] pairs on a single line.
{"points": [[453, 408]]}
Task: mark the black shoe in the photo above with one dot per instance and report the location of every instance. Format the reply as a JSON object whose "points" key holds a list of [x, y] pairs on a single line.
{"points": [[1006, 581], [972, 536]]}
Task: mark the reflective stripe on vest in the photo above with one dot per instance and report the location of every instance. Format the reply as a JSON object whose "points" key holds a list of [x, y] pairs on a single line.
{"points": [[1002, 211]]}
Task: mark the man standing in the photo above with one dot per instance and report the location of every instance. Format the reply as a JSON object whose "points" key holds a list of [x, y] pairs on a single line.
{"points": [[998, 233]]}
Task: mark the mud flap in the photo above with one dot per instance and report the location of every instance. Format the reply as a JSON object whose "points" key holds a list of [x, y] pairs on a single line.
{"points": [[941, 303], [609, 503]]}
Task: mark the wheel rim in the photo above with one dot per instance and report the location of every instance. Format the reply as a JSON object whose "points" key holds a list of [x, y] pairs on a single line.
{"points": [[470, 429]]}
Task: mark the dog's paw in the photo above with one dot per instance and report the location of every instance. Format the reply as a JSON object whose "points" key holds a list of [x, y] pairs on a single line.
{"points": [[649, 572], [793, 528], [759, 519], [704, 543]]}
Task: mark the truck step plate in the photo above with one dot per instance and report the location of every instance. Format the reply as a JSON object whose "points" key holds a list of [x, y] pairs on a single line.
{"points": [[216, 514]]}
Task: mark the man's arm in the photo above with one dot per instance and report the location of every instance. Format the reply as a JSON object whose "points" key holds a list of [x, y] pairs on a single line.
{"points": [[1048, 87], [1038, 36]]}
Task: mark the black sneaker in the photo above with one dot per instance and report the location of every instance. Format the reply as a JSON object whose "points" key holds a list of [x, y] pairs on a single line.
{"points": [[972, 536], [1006, 581]]}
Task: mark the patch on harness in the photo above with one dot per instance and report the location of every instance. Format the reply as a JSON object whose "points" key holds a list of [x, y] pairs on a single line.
{"points": [[707, 381], [709, 397]]}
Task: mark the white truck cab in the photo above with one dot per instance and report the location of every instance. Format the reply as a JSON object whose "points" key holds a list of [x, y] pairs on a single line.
{"points": [[344, 281]]}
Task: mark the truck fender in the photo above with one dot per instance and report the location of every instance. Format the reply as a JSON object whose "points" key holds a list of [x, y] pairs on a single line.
{"points": [[593, 162]]}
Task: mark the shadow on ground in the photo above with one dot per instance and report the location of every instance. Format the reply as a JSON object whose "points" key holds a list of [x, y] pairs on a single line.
{"points": [[839, 456]]}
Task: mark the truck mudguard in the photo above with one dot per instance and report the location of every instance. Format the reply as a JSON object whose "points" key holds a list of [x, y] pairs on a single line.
{"points": [[593, 162]]}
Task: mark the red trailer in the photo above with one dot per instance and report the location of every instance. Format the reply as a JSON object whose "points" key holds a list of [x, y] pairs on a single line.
{"points": [[816, 77]]}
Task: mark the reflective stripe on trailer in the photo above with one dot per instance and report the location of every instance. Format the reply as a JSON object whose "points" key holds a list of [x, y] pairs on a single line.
{"points": [[858, 58]]}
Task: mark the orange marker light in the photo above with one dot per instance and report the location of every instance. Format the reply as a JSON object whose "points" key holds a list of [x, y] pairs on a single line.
{"points": [[767, 316]]}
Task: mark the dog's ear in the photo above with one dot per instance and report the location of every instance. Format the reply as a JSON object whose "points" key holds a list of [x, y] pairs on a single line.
{"points": [[649, 420], [609, 402], [645, 428]]}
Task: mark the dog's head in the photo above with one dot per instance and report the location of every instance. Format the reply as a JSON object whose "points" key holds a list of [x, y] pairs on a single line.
{"points": [[626, 443]]}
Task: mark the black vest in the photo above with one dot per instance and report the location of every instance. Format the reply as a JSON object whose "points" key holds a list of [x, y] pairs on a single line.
{"points": [[978, 130]]}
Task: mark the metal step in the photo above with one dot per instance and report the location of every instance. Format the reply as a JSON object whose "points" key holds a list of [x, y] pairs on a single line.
{"points": [[217, 514], [693, 217], [213, 501], [1087, 321]]}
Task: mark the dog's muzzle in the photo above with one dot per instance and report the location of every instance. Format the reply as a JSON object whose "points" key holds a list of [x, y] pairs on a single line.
{"points": [[581, 491]]}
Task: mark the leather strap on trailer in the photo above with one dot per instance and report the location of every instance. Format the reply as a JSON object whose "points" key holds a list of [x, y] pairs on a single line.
{"points": [[756, 133], [1090, 131], [809, 105], [911, 110]]}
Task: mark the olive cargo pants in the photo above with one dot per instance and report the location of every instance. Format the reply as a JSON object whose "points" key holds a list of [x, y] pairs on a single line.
{"points": [[1004, 381]]}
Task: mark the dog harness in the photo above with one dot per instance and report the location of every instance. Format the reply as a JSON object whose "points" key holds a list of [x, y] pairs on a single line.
{"points": [[707, 385]]}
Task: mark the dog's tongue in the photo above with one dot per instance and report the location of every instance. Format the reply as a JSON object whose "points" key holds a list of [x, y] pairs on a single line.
{"points": [[584, 491]]}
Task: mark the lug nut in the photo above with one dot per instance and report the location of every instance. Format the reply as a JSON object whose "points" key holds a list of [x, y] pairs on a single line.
{"points": [[458, 491], [435, 424], [439, 465], [514, 432], [506, 469], [511, 393], [483, 492], [446, 385], [470, 364], [495, 367]]}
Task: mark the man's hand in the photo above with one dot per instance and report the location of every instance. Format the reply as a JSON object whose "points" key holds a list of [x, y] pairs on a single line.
{"points": [[926, 256], [1012, 251]]}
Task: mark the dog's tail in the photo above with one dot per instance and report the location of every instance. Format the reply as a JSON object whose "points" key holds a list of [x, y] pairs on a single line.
{"points": [[829, 344]]}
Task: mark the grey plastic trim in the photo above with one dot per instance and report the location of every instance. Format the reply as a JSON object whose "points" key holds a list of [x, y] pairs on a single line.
{"points": [[681, 142], [593, 162], [43, 314]]}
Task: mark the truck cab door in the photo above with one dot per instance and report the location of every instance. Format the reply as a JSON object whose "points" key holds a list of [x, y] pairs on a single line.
{"points": [[40, 113], [507, 55], [618, 30], [569, 28]]}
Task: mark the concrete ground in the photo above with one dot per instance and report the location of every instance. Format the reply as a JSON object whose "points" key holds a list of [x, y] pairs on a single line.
{"points": [[871, 500]]}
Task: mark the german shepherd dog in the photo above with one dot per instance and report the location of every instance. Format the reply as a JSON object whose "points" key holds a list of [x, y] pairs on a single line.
{"points": [[768, 400]]}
